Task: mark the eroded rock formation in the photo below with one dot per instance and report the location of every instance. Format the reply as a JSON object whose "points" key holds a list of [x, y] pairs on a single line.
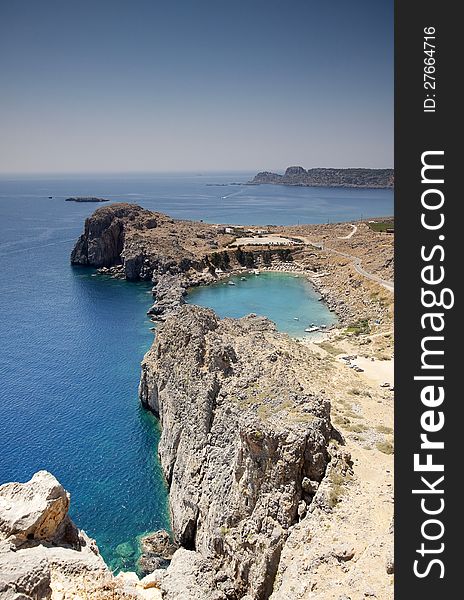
{"points": [[43, 556], [39, 544], [244, 443]]}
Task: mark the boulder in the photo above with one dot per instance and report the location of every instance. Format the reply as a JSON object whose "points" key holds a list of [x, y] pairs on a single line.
{"points": [[33, 510], [40, 547], [157, 550]]}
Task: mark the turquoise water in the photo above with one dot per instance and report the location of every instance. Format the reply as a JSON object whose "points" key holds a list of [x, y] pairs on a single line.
{"points": [[72, 342], [291, 302]]}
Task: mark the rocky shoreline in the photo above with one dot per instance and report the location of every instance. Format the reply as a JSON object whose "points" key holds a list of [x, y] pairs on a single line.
{"points": [[253, 462], [127, 241], [244, 444]]}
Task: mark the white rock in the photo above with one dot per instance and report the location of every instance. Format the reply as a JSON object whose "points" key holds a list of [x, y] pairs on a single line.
{"points": [[32, 510]]}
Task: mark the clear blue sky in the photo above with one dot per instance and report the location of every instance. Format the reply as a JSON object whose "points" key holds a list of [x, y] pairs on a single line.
{"points": [[150, 85]]}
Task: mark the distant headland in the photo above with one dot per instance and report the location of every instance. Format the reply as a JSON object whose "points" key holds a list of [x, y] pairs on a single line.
{"points": [[353, 178], [86, 199]]}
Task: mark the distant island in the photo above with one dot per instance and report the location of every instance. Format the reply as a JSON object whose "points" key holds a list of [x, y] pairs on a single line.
{"points": [[353, 178], [86, 199]]}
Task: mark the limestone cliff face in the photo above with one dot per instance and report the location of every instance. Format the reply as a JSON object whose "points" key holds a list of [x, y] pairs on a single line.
{"points": [[39, 544], [243, 444], [102, 242], [143, 242]]}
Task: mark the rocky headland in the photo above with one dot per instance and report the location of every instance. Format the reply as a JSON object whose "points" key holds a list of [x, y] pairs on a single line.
{"points": [[125, 240], [276, 454], [267, 498], [244, 447], [352, 178]]}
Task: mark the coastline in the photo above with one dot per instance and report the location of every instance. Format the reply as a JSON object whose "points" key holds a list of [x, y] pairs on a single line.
{"points": [[345, 414], [359, 178]]}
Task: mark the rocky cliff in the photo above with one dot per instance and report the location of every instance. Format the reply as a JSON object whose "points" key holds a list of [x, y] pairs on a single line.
{"points": [[41, 550], [357, 178], [142, 242], [244, 446], [247, 443], [125, 240], [44, 556]]}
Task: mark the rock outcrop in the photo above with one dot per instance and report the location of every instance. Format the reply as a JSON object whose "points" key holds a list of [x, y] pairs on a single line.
{"points": [[244, 444], [43, 556], [102, 242], [157, 550], [86, 199], [39, 544], [143, 242]]}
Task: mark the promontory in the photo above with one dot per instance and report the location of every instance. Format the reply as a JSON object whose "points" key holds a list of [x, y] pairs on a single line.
{"points": [[352, 178]]}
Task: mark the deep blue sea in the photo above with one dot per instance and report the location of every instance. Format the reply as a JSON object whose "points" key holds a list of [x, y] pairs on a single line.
{"points": [[72, 342]]}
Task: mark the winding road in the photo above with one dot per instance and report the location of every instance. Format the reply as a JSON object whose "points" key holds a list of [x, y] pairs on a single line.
{"points": [[351, 234], [357, 264], [389, 285]]}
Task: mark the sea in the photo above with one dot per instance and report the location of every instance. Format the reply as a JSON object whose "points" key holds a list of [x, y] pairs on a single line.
{"points": [[72, 340]]}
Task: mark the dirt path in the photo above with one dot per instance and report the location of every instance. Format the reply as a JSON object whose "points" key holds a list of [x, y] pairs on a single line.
{"points": [[360, 525], [351, 234]]}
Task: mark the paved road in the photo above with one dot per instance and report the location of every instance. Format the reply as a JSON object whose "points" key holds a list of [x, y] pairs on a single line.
{"points": [[389, 285], [357, 264]]}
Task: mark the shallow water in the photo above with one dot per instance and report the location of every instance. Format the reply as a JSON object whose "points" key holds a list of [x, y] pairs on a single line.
{"points": [[291, 302]]}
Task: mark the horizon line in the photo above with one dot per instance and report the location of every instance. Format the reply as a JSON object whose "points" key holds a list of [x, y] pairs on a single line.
{"points": [[196, 172]]}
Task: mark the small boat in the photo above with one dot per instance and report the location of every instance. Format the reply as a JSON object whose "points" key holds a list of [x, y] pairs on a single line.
{"points": [[296, 318], [256, 272], [242, 278], [311, 329], [231, 283], [296, 276]]}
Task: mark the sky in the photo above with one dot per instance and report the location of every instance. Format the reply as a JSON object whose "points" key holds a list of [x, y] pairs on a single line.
{"points": [[188, 85]]}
